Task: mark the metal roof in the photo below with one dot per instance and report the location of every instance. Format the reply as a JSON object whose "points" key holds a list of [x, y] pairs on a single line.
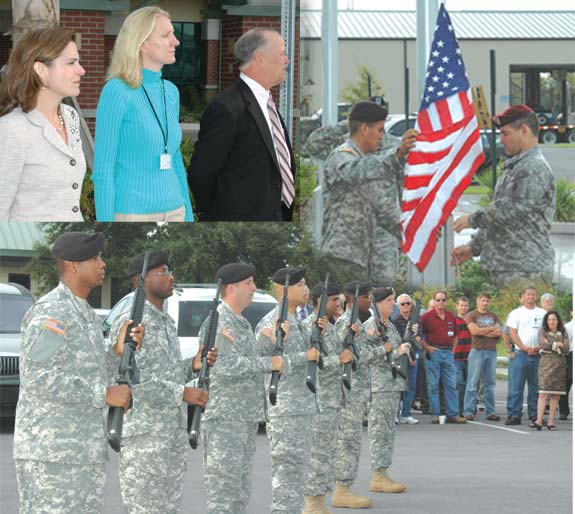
{"points": [[468, 24], [17, 239]]}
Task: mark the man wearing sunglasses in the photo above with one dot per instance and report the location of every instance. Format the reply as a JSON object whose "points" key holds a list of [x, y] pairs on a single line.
{"points": [[440, 340]]}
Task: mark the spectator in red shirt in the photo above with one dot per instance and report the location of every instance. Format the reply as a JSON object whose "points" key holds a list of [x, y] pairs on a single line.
{"points": [[462, 349], [439, 330]]}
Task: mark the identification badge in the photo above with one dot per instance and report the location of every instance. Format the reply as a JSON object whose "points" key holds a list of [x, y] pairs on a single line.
{"points": [[165, 161]]}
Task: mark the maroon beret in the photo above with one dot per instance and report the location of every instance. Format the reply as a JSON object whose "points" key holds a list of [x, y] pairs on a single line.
{"points": [[512, 114]]}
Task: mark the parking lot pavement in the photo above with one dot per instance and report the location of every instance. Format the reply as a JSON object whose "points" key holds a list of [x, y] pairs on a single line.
{"points": [[476, 468]]}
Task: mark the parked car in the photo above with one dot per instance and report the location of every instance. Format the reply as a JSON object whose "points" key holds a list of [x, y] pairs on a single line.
{"points": [[15, 300], [102, 313], [486, 141], [396, 126], [309, 123], [189, 306]]}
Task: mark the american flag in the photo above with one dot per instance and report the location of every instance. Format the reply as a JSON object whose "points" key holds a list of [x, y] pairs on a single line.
{"points": [[448, 150]]}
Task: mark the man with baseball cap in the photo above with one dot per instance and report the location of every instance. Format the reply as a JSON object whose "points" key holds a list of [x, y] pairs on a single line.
{"points": [[513, 230], [60, 446], [291, 417], [237, 396], [155, 442], [361, 196]]}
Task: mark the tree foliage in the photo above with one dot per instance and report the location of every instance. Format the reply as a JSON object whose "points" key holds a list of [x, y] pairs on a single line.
{"points": [[358, 91]]}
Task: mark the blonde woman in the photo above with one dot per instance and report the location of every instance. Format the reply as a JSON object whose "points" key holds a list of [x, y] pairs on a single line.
{"points": [[138, 171], [42, 165]]}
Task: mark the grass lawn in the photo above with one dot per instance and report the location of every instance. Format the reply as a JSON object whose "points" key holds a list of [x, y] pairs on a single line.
{"points": [[477, 190]]}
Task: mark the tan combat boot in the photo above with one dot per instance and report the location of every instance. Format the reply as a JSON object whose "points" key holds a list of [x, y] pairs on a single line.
{"points": [[381, 483], [312, 505], [344, 497]]}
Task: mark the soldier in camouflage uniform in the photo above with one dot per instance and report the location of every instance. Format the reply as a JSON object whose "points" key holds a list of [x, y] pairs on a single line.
{"points": [[237, 397], [513, 236], [356, 404], [154, 443], [385, 391], [361, 186], [325, 424], [290, 419], [59, 441]]}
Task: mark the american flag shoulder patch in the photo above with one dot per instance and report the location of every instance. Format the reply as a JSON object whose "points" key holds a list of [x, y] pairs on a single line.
{"points": [[56, 326]]}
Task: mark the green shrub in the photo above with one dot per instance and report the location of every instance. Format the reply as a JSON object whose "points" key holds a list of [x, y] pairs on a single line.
{"points": [[565, 201]]}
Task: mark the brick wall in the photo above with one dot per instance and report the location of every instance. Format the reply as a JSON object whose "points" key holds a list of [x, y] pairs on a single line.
{"points": [[90, 26], [108, 47], [210, 56]]}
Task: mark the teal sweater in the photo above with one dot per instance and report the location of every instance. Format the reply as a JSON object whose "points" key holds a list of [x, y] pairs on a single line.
{"points": [[127, 176]]}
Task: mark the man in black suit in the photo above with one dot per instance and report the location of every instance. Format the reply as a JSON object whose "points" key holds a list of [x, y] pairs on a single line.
{"points": [[243, 168]]}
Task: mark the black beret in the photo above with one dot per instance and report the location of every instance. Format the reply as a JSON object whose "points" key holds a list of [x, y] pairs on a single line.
{"points": [[512, 114], [367, 112], [156, 259], [78, 246], [364, 287], [318, 290], [295, 275], [235, 272], [381, 293]]}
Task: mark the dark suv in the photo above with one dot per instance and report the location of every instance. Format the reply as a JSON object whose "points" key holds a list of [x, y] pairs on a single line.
{"points": [[15, 300]]}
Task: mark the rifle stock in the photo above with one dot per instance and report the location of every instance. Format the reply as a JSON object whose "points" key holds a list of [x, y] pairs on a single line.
{"points": [[204, 377], [128, 372], [279, 342]]}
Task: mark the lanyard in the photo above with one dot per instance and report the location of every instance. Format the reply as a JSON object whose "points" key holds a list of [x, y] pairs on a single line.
{"points": [[164, 134]]}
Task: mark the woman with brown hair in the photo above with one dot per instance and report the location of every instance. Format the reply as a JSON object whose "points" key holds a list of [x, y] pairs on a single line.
{"points": [[42, 165], [554, 345]]}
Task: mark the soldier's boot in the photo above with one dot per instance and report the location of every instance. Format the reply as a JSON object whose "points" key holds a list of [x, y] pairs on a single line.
{"points": [[312, 505], [381, 483], [344, 497]]}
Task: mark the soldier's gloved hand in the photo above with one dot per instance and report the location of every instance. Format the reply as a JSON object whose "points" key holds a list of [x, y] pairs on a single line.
{"points": [[312, 354], [345, 356], [407, 143], [195, 396], [119, 396], [137, 333], [277, 363]]}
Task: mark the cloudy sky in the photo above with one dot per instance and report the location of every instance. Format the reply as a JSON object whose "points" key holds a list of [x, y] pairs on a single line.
{"points": [[452, 5]]}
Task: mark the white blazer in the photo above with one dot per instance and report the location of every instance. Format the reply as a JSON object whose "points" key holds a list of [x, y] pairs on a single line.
{"points": [[40, 175]]}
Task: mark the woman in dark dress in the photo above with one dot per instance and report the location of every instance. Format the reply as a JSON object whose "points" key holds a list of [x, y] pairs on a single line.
{"points": [[554, 344]]}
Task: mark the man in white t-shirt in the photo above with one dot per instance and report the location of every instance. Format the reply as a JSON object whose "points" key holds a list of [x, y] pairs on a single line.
{"points": [[524, 324]]}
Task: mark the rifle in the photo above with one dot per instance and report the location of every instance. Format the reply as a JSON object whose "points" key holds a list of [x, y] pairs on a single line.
{"points": [[317, 340], [349, 344], [204, 377], [280, 334], [128, 371], [383, 331], [409, 337]]}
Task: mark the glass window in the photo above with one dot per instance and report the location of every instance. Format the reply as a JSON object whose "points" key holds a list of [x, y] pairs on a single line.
{"points": [[12, 310], [187, 68]]}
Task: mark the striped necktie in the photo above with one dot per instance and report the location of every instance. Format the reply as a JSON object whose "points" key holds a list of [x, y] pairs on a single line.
{"points": [[282, 152]]}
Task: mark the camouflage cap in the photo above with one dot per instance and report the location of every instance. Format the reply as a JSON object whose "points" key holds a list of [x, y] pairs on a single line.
{"points": [[78, 246], [234, 272], [512, 114], [156, 259]]}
